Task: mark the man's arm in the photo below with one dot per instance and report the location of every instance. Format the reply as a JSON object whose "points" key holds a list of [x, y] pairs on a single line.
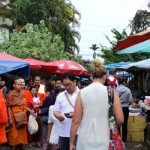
{"points": [[57, 109], [59, 116]]}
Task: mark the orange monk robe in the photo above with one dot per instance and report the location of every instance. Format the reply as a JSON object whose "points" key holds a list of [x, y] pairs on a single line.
{"points": [[42, 97], [29, 103], [3, 119], [16, 136], [28, 96]]}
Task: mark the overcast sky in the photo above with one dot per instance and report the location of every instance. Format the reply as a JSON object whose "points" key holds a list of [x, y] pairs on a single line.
{"points": [[98, 17]]}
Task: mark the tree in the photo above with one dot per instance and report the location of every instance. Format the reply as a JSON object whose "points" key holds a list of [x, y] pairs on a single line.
{"points": [[141, 21], [35, 41], [59, 16], [94, 47]]}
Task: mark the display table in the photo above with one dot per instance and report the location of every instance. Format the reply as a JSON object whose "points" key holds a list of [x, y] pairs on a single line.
{"points": [[136, 127]]}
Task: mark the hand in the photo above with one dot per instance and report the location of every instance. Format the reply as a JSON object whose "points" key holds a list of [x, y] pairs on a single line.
{"points": [[36, 106], [72, 147], [35, 115], [32, 112], [61, 118], [69, 115]]}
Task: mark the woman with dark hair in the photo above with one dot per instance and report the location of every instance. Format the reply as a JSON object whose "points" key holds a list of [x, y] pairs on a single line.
{"points": [[48, 101], [126, 99], [91, 113]]}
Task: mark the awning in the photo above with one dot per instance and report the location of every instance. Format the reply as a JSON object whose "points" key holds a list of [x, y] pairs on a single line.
{"points": [[143, 47], [132, 40], [5, 56], [117, 65], [66, 66], [17, 68], [144, 64]]}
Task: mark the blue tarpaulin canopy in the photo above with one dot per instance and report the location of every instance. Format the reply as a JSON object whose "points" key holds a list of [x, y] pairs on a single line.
{"points": [[144, 64], [18, 68], [117, 65]]}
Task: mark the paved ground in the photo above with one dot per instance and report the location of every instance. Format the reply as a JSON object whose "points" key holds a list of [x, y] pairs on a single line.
{"points": [[129, 146], [135, 146]]}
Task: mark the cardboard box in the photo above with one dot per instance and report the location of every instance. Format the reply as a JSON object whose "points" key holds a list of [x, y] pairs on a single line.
{"points": [[135, 135], [136, 122]]}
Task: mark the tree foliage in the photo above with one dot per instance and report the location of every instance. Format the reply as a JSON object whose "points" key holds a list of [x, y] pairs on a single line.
{"points": [[60, 17], [35, 41], [141, 21]]}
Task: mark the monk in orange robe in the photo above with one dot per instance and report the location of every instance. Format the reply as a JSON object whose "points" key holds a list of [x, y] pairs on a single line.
{"points": [[16, 101], [3, 119], [29, 103]]}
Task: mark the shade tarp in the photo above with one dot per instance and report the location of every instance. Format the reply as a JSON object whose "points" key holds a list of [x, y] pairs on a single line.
{"points": [[143, 47], [132, 40], [144, 64], [5, 56], [40, 64], [117, 65], [67, 66], [18, 68]]}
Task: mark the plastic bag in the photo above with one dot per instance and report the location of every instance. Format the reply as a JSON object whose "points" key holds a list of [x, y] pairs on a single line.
{"points": [[32, 125]]}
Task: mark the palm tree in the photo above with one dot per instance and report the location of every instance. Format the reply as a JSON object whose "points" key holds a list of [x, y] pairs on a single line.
{"points": [[94, 47]]}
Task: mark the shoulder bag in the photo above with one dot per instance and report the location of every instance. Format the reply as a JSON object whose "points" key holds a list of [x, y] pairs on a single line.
{"points": [[21, 117], [69, 100], [115, 142]]}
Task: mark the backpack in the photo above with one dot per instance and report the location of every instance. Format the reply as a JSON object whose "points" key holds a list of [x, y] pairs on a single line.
{"points": [[112, 84]]}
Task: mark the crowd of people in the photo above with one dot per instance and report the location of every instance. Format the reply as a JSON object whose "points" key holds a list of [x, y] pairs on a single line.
{"points": [[67, 116]]}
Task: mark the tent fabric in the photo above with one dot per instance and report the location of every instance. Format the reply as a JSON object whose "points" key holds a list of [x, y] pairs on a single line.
{"points": [[40, 64], [5, 56], [143, 47], [117, 65], [19, 68], [144, 64], [34, 64], [132, 40], [67, 66]]}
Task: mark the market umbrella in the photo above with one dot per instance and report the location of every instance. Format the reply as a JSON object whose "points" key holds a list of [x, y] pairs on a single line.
{"points": [[132, 40], [143, 47], [5, 56], [67, 66], [42, 65]]}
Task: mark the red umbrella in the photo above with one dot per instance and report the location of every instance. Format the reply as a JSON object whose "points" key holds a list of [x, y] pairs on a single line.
{"points": [[132, 40], [42, 65], [67, 66]]}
